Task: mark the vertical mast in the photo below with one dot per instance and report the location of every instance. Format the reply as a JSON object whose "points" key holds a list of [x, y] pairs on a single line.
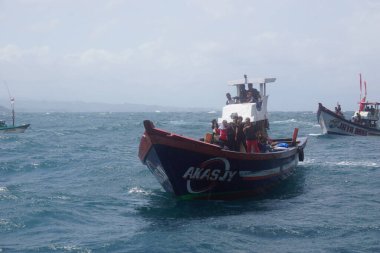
{"points": [[360, 79], [12, 100], [13, 110]]}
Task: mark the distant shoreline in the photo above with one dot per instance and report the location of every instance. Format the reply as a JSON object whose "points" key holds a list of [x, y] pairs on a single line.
{"points": [[61, 106]]}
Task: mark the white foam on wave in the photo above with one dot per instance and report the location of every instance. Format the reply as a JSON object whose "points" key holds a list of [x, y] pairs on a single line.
{"points": [[307, 161], [178, 122], [5, 194], [61, 197], [284, 121], [138, 190], [356, 164], [315, 134], [312, 124], [3, 222], [69, 248], [7, 224]]}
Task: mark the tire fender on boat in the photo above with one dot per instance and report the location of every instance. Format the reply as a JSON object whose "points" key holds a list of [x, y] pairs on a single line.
{"points": [[301, 155]]}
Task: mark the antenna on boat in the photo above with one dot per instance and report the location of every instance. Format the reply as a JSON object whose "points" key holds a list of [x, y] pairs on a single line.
{"points": [[12, 100], [360, 81]]}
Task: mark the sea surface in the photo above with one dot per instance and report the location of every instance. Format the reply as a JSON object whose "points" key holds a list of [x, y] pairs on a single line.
{"points": [[73, 183]]}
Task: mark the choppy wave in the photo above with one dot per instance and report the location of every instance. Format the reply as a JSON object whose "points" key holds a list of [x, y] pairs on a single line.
{"points": [[355, 164], [68, 248], [314, 134], [178, 122], [74, 183], [284, 121], [5, 194], [138, 190]]}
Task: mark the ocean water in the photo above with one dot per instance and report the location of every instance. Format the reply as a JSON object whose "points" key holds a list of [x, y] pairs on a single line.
{"points": [[73, 183]]}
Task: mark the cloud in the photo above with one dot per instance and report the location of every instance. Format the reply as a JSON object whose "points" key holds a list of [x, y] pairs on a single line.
{"points": [[13, 54], [97, 57], [125, 44]]}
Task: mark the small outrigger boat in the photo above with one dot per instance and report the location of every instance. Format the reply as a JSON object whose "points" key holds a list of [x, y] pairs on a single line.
{"points": [[195, 169], [364, 122], [4, 128]]}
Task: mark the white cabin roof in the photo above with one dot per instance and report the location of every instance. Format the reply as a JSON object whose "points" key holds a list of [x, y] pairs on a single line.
{"points": [[253, 81]]}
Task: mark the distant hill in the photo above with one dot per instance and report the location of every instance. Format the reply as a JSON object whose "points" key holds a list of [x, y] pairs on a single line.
{"points": [[50, 106], [4, 109]]}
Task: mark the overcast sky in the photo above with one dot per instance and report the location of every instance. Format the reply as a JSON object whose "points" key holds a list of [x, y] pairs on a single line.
{"points": [[183, 52]]}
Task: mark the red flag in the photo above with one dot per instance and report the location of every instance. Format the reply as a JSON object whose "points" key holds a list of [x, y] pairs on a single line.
{"points": [[362, 103]]}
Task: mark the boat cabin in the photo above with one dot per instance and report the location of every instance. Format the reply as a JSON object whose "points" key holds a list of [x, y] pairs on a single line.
{"points": [[2, 123], [256, 111], [369, 115]]}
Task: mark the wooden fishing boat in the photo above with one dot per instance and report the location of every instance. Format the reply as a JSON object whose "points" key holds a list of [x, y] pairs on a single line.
{"points": [[192, 169], [195, 169], [364, 122], [332, 123]]}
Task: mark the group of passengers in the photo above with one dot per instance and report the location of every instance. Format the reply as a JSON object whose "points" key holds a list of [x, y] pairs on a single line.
{"points": [[371, 109], [357, 118], [251, 95], [338, 111], [240, 136]]}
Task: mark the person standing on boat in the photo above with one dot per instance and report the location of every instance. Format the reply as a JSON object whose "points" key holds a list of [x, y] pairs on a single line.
{"points": [[229, 99], [249, 98], [231, 133], [255, 93], [223, 134], [239, 135], [251, 137], [338, 111], [372, 110], [214, 126], [357, 118], [242, 93]]}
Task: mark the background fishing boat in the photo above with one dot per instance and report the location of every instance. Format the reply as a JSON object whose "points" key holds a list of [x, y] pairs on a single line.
{"points": [[364, 122], [4, 128]]}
